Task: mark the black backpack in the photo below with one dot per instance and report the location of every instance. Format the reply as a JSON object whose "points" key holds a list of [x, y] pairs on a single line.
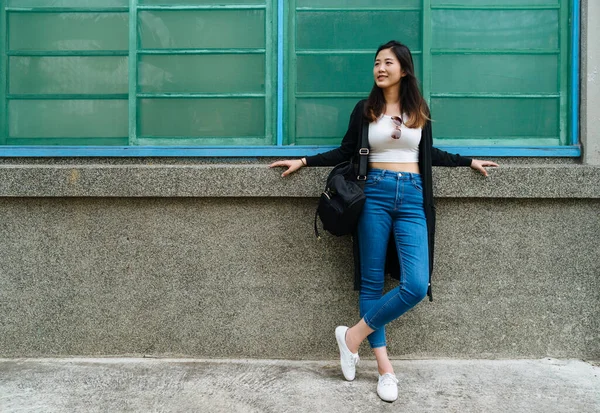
{"points": [[343, 199]]}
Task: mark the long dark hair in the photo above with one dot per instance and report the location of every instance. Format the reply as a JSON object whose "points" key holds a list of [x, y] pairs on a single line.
{"points": [[411, 100]]}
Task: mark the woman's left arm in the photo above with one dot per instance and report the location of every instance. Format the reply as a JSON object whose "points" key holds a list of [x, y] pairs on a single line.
{"points": [[443, 158]]}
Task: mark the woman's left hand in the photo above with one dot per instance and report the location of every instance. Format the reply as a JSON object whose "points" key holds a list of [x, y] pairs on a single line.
{"points": [[479, 165]]}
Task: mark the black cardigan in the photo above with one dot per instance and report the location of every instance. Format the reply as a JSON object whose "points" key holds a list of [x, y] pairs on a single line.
{"points": [[428, 157]]}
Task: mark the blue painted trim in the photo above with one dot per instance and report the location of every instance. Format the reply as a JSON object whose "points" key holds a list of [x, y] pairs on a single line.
{"points": [[575, 30], [280, 40], [259, 151]]}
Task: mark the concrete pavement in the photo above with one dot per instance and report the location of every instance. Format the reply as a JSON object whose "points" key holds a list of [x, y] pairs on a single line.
{"points": [[191, 385]]}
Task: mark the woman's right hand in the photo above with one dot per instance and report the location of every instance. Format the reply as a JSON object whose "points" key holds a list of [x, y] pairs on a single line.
{"points": [[292, 165]]}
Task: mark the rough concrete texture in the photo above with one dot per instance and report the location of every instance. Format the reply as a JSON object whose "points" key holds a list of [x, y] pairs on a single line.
{"points": [[130, 385], [256, 180], [245, 277], [590, 81]]}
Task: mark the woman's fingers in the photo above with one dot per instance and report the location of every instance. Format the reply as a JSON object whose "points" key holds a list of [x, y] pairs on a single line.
{"points": [[287, 171], [480, 168], [291, 164], [479, 165], [279, 163]]}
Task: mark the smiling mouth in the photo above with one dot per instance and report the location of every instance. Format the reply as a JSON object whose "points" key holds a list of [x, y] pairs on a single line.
{"points": [[381, 77]]}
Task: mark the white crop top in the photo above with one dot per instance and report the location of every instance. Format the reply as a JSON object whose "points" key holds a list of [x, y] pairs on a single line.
{"points": [[384, 148]]}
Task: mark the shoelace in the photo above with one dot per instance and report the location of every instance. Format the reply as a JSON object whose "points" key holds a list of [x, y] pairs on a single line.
{"points": [[389, 379], [353, 360]]}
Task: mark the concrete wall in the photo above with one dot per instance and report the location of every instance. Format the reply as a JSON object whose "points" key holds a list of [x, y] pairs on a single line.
{"points": [[215, 258], [192, 274]]}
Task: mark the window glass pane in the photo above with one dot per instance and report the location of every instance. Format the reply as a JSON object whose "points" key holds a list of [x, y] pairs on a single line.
{"points": [[495, 29], [339, 72], [334, 73], [67, 118], [68, 74], [202, 117], [322, 121], [355, 30], [196, 2], [494, 2], [495, 118], [124, 141], [68, 3], [495, 74], [202, 73], [358, 3], [68, 31], [202, 29]]}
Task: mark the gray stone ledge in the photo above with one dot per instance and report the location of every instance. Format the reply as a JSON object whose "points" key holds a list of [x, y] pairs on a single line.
{"points": [[232, 160], [257, 180]]}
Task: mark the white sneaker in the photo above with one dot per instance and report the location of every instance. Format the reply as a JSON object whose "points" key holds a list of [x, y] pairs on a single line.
{"points": [[387, 388], [348, 359]]}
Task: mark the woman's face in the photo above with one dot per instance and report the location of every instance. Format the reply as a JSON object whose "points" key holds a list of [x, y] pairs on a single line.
{"points": [[387, 71]]}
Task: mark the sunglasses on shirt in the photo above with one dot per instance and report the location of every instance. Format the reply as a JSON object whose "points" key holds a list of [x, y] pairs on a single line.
{"points": [[397, 120]]}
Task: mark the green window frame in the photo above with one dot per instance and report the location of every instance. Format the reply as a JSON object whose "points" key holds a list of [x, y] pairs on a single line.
{"points": [[144, 99]]}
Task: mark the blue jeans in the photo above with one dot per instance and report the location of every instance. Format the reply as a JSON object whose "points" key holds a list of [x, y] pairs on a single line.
{"points": [[394, 205]]}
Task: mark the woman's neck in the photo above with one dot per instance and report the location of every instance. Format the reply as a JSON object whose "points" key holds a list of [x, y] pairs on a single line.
{"points": [[392, 100]]}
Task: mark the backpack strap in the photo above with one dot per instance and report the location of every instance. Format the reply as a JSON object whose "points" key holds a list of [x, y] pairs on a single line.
{"points": [[363, 154]]}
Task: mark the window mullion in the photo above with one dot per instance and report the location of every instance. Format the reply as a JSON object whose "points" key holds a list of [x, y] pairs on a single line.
{"points": [[3, 74], [279, 35], [575, 68], [426, 69], [291, 82], [270, 75], [132, 79], [563, 86]]}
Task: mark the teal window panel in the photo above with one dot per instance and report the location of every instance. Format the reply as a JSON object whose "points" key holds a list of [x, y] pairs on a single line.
{"points": [[490, 142], [225, 73], [67, 118], [495, 73], [78, 141], [209, 117], [495, 118], [68, 75], [322, 120], [333, 73], [338, 72], [368, 4], [495, 3], [495, 29], [206, 141], [202, 29], [331, 66], [356, 29], [68, 3], [68, 31], [198, 2]]}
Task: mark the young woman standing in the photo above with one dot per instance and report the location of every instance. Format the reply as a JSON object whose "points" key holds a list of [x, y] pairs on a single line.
{"points": [[399, 208]]}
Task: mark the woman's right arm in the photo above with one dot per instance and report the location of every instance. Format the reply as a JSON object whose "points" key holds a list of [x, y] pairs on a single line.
{"points": [[335, 156]]}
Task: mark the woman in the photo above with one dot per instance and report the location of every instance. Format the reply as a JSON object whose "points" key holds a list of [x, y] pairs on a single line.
{"points": [[399, 206]]}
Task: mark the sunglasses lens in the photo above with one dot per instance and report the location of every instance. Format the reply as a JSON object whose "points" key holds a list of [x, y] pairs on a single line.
{"points": [[397, 120]]}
